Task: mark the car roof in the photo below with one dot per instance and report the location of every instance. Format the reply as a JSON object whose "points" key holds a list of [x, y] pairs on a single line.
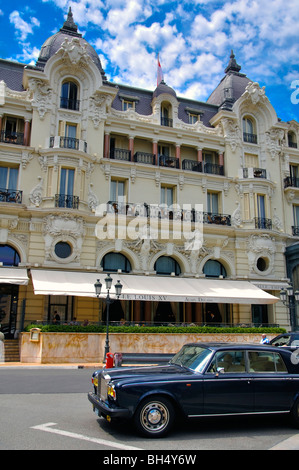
{"points": [[236, 345]]}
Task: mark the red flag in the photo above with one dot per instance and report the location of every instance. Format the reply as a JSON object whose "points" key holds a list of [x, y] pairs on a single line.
{"points": [[159, 73]]}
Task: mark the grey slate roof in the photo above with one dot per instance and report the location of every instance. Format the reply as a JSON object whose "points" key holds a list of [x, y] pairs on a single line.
{"points": [[12, 74]]}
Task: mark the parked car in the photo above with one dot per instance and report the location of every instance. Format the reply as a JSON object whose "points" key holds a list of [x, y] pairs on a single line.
{"points": [[202, 379], [287, 340]]}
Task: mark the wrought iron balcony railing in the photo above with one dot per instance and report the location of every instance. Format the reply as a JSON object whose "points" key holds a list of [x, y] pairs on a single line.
{"points": [[68, 143], [166, 122], [262, 222], [67, 103], [11, 195], [66, 200], [16, 138], [291, 181], [147, 158], [120, 154], [256, 173], [215, 218], [251, 138], [170, 162], [192, 165], [295, 230], [213, 168]]}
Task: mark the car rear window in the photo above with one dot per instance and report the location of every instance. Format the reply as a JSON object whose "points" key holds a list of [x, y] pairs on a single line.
{"points": [[261, 362]]}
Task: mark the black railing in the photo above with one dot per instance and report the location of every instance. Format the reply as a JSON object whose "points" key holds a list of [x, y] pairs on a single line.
{"points": [[192, 165], [166, 122], [67, 103], [66, 200], [69, 143], [251, 138], [291, 181], [147, 158], [295, 230], [120, 154], [170, 162], [11, 195], [257, 173], [262, 222], [292, 144], [215, 218], [16, 138], [214, 169]]}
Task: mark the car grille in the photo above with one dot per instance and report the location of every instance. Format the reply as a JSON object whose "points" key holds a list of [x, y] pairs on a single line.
{"points": [[102, 388]]}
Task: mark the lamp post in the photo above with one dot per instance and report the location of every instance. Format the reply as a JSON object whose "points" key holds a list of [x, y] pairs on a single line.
{"points": [[98, 287], [290, 300]]}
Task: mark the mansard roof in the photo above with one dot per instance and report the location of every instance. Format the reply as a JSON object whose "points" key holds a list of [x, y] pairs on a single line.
{"points": [[231, 87]]}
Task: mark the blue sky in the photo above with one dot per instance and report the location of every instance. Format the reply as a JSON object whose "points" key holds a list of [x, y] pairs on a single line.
{"points": [[193, 39]]}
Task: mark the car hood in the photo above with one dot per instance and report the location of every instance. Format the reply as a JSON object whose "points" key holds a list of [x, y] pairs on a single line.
{"points": [[145, 372]]}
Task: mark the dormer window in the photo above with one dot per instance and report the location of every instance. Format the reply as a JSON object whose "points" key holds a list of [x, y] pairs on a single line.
{"points": [[249, 130], [165, 115], [126, 104], [292, 141], [69, 95]]}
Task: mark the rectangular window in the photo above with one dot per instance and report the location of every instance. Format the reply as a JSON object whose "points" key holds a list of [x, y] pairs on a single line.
{"points": [[67, 177], [118, 191], [246, 207], [167, 196], [126, 104], [9, 178], [212, 202]]}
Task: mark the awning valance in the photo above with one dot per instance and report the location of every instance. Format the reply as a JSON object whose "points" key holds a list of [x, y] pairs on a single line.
{"points": [[13, 276], [151, 288]]}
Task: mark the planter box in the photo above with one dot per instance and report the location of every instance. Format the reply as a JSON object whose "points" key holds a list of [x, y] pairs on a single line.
{"points": [[57, 348]]}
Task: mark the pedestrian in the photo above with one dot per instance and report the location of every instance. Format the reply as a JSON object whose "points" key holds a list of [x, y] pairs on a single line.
{"points": [[56, 318], [264, 339]]}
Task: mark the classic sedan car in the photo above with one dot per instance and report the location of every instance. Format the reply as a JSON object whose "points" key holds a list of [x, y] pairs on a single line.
{"points": [[286, 340], [202, 379]]}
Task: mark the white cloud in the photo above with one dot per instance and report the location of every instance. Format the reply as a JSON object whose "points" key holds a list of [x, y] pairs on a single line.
{"points": [[22, 27]]}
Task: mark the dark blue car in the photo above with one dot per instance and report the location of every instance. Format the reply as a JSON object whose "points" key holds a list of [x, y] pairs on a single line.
{"points": [[202, 379]]}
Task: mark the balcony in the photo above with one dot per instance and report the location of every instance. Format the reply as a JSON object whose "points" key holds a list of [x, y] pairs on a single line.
{"points": [[16, 138], [11, 195], [295, 230], [263, 223], [291, 181], [292, 144], [170, 162], [67, 103], [250, 138], [146, 158], [66, 200], [127, 208], [192, 165], [68, 143], [213, 168], [120, 154], [254, 173], [215, 218]]}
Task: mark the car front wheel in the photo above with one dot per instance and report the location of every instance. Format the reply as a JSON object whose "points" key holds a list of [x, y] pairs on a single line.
{"points": [[154, 417]]}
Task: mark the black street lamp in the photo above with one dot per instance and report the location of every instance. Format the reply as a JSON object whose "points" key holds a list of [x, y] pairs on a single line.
{"points": [[98, 287], [290, 300]]}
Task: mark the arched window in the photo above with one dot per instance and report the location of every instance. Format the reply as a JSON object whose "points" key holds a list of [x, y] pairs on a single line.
{"points": [[292, 141], [213, 268], [114, 261], [9, 256], [167, 265], [69, 96], [249, 130]]}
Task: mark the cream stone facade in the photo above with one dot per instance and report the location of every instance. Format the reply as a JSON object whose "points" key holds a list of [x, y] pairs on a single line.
{"points": [[100, 177]]}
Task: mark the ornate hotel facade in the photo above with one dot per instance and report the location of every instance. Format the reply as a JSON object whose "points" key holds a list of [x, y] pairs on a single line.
{"points": [[193, 205]]}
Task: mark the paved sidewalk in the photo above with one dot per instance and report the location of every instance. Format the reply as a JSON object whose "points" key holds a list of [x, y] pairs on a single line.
{"points": [[25, 365]]}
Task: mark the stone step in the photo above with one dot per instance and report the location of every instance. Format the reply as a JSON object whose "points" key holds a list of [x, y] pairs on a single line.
{"points": [[11, 350]]}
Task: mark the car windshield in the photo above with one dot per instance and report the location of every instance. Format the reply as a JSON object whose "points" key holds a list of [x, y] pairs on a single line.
{"points": [[193, 357]]}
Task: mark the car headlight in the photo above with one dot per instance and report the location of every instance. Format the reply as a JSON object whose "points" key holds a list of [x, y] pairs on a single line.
{"points": [[111, 391]]}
